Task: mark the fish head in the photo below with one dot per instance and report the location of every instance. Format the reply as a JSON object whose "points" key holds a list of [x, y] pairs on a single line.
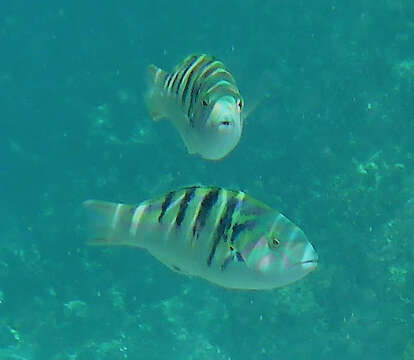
{"points": [[222, 125], [279, 252]]}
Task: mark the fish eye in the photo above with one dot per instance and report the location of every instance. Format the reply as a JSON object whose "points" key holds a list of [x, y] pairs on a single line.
{"points": [[239, 104], [273, 243], [204, 102], [225, 123]]}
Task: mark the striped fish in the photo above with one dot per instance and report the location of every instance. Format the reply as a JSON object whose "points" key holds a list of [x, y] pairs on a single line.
{"points": [[203, 102], [223, 236]]}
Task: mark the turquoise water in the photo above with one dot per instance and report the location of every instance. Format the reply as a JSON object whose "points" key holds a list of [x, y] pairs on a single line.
{"points": [[330, 144]]}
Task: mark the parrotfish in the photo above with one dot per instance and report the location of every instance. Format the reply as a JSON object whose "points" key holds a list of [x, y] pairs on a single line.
{"points": [[223, 236], [202, 100]]}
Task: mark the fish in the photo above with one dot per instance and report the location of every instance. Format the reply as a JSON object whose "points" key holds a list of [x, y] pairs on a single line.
{"points": [[202, 100], [223, 236]]}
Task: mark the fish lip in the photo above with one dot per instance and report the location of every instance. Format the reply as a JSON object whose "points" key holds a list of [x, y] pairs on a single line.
{"points": [[310, 261]]}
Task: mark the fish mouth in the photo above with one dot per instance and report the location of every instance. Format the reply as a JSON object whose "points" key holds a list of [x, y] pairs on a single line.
{"points": [[309, 259], [308, 265]]}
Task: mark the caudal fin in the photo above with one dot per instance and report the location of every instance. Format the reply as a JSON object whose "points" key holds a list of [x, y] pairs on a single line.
{"points": [[107, 223], [155, 94]]}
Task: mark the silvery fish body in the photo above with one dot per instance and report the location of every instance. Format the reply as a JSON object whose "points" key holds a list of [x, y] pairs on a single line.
{"points": [[203, 102], [223, 236]]}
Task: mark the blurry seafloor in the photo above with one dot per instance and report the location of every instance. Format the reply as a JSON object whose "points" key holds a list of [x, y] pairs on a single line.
{"points": [[330, 144]]}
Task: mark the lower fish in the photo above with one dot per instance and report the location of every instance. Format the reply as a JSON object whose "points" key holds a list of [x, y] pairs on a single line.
{"points": [[223, 236]]}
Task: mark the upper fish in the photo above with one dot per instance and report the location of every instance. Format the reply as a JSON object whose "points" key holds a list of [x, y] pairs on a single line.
{"points": [[202, 100], [223, 236]]}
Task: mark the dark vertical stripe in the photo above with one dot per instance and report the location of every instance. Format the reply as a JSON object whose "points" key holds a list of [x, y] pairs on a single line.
{"points": [[226, 262], [237, 229], [179, 73], [214, 74], [203, 61], [189, 194], [224, 224], [213, 66], [168, 80], [197, 83], [218, 74], [233, 256], [224, 87], [192, 102], [206, 205], [186, 67], [175, 76], [194, 69], [167, 201]]}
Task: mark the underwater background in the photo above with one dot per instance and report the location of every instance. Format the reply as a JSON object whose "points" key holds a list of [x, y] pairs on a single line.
{"points": [[329, 142]]}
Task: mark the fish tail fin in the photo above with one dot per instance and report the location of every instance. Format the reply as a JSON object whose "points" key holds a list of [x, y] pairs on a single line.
{"points": [[155, 94], [157, 75], [108, 223]]}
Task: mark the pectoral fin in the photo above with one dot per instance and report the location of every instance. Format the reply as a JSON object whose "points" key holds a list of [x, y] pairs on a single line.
{"points": [[190, 150], [184, 134]]}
